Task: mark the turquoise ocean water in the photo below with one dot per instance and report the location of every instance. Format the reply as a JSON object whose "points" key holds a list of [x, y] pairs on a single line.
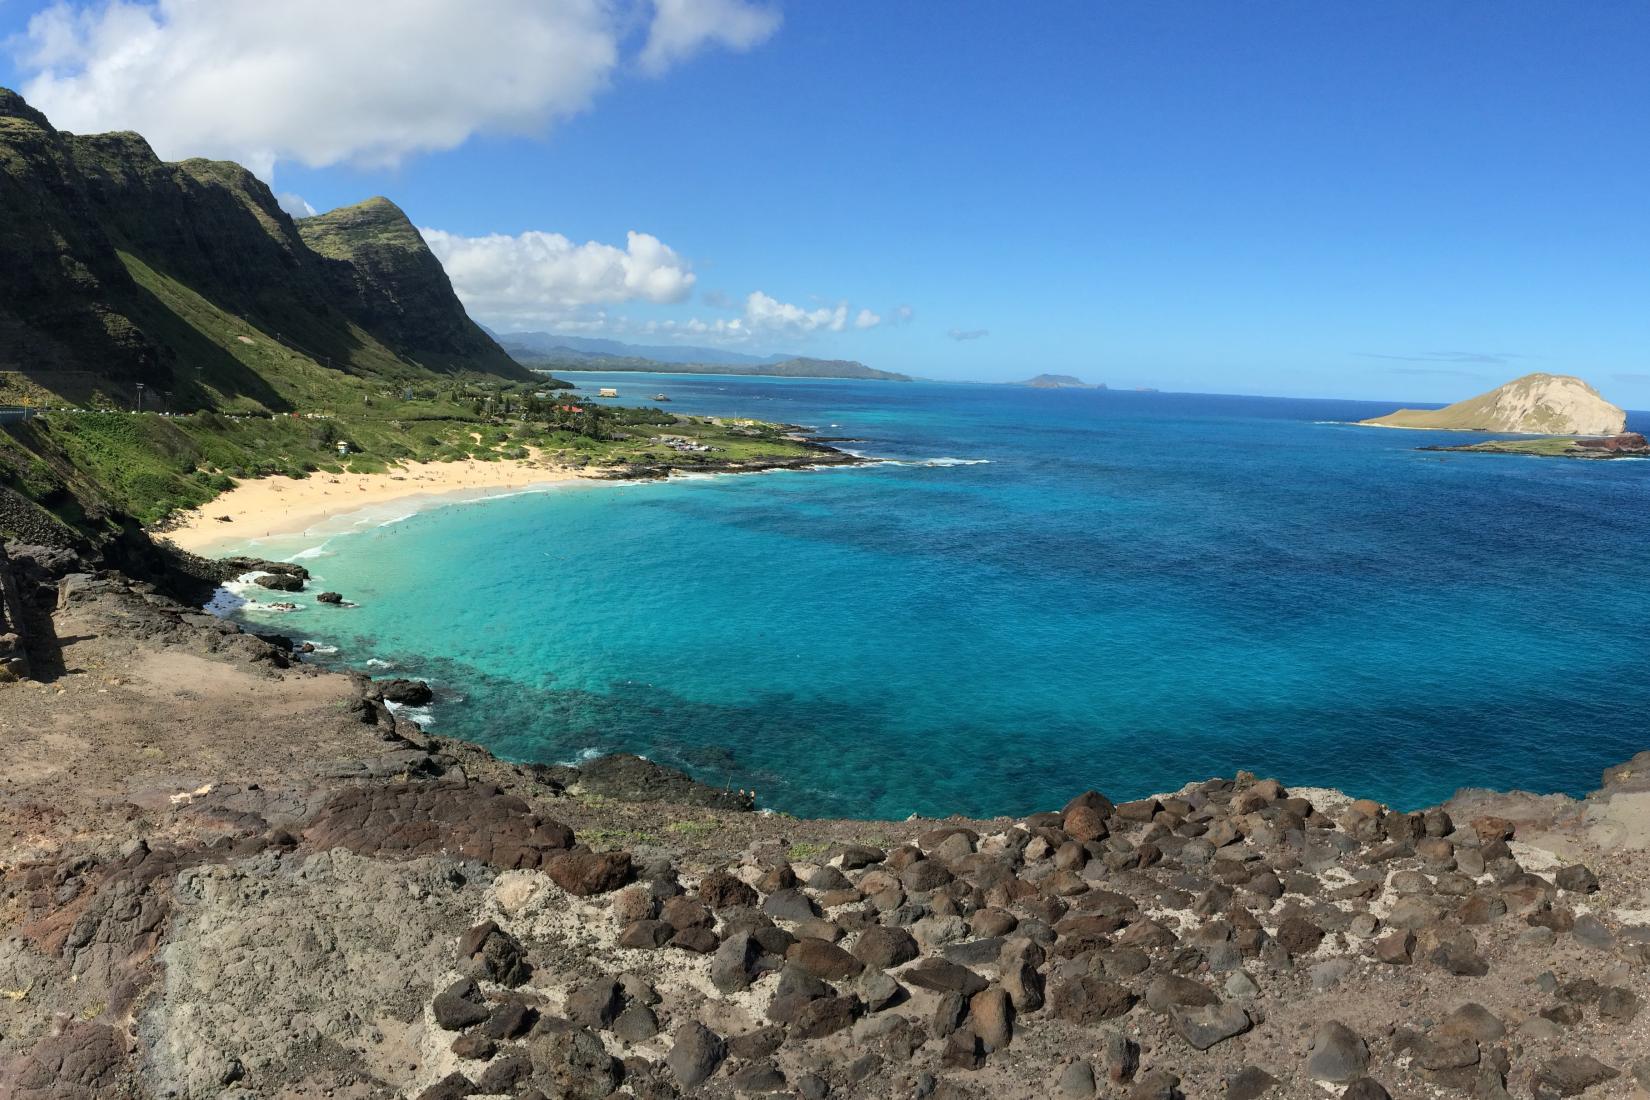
{"points": [[1042, 592]]}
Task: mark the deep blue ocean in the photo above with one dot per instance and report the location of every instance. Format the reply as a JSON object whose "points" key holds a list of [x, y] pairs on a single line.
{"points": [[1050, 591]]}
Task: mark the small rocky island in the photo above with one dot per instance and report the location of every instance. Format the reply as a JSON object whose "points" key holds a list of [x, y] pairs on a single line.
{"points": [[1625, 445], [1536, 404], [1060, 382]]}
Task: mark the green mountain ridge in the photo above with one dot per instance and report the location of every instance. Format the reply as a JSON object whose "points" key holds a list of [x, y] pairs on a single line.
{"points": [[99, 238]]}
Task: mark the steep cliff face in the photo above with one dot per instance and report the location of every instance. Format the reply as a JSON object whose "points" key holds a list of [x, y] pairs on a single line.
{"points": [[388, 279], [118, 268], [64, 294], [1536, 404]]}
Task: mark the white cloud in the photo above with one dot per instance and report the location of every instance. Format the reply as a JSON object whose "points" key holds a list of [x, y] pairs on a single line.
{"points": [[539, 277], [903, 315], [866, 319], [295, 204], [369, 82], [968, 333], [681, 28], [766, 313]]}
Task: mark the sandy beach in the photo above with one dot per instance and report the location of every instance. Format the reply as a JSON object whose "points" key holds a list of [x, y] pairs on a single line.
{"points": [[273, 506]]}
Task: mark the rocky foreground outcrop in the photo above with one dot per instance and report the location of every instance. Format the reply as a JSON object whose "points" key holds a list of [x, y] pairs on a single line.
{"points": [[1536, 404], [384, 913]]}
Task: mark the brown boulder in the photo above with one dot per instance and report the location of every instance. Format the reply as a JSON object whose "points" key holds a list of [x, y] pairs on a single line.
{"points": [[588, 873]]}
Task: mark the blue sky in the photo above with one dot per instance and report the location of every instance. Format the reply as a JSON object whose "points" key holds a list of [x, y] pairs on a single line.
{"points": [[1408, 200]]}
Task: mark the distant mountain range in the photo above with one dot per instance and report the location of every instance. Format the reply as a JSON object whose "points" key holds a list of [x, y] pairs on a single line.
{"points": [[554, 351], [546, 343]]}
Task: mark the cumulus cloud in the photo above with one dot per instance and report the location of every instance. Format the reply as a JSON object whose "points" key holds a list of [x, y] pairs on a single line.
{"points": [[968, 333], [764, 316], [368, 82], [765, 312], [681, 28], [538, 277]]}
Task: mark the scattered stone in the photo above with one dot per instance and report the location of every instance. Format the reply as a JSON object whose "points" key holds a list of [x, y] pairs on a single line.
{"points": [[330, 597], [1203, 1027], [1075, 1082], [460, 1005], [594, 1004], [720, 890], [789, 903], [1592, 932], [490, 954], [731, 968], [588, 873], [823, 960], [1619, 1004], [991, 1015], [1338, 1054], [1249, 1083], [636, 1024], [695, 1054], [1168, 991], [1574, 1074], [1299, 936], [1366, 1088], [1089, 1000], [943, 976], [1577, 879], [1156, 1084], [451, 1087], [576, 1063]]}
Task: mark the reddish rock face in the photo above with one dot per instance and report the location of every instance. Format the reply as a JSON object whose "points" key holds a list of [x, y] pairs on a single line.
{"points": [[1626, 442], [473, 821], [587, 873]]}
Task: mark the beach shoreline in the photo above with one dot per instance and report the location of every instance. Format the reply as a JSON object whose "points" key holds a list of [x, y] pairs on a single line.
{"points": [[276, 507]]}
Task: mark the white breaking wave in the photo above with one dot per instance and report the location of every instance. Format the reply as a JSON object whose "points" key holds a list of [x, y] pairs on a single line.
{"points": [[928, 462], [420, 715]]}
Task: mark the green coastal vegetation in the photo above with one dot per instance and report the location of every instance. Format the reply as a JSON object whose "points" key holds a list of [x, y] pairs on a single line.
{"points": [[167, 329]]}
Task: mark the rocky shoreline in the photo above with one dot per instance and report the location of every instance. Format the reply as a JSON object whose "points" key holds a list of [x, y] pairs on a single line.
{"points": [[1624, 445], [228, 874]]}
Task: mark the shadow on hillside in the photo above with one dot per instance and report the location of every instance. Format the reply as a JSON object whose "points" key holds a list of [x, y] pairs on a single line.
{"points": [[197, 363]]}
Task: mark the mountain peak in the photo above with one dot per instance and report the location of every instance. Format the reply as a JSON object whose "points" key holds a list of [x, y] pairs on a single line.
{"points": [[13, 105]]}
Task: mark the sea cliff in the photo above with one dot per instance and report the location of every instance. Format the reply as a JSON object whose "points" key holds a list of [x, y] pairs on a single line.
{"points": [[225, 873]]}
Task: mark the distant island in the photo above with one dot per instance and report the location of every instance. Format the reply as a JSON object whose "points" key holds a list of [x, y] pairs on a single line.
{"points": [[1059, 382], [546, 351], [1536, 404]]}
